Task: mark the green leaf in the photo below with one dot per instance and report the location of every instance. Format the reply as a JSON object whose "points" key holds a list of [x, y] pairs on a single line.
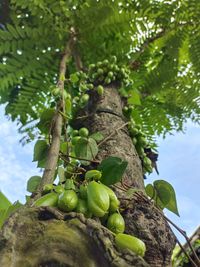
{"points": [[40, 152], [86, 149], [112, 169], [61, 174], [5, 213], [4, 202], [2, 217], [45, 120], [166, 195], [134, 99], [98, 136], [33, 183], [150, 191]]}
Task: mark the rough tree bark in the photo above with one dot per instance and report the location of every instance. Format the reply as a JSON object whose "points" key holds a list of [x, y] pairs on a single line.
{"points": [[47, 237]]}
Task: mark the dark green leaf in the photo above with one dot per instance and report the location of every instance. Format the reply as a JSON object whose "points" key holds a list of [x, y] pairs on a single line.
{"points": [[40, 152], [33, 183], [166, 195], [86, 149], [45, 120], [112, 169], [150, 191]]}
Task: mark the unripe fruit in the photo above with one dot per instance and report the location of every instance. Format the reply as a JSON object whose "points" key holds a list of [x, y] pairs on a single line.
{"points": [[90, 86], [83, 132], [114, 59], [91, 66], [74, 133], [56, 91], [107, 80], [100, 90], [67, 201], [105, 62], [50, 199], [82, 206], [93, 174], [124, 241], [98, 199], [59, 189], [69, 184], [110, 74], [100, 71], [85, 98], [114, 202], [75, 139], [83, 191], [47, 188], [116, 223]]}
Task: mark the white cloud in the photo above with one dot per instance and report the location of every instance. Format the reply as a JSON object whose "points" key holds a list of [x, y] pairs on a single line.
{"points": [[15, 162]]}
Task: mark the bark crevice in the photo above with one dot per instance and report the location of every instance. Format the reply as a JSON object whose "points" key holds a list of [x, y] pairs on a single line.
{"points": [[61, 240]]}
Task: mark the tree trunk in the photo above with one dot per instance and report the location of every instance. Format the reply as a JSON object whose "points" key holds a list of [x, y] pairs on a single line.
{"points": [[47, 237]]}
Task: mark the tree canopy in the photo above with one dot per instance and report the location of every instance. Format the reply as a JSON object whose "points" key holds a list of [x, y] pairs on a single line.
{"points": [[157, 41]]}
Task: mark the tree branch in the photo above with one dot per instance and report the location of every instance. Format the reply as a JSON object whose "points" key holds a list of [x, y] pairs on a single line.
{"points": [[57, 122]]}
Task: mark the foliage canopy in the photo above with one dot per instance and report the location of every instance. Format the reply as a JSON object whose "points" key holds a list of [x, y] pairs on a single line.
{"points": [[158, 40]]}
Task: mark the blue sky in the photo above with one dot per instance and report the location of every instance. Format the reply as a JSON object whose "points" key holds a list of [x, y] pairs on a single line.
{"points": [[179, 160]]}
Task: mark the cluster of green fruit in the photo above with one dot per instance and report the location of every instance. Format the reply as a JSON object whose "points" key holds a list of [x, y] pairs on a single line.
{"points": [[78, 134], [93, 199], [140, 142], [107, 71]]}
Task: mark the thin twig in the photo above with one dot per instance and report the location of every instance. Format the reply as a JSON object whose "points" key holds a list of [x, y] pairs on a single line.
{"points": [[185, 252], [186, 238], [110, 135], [93, 161]]}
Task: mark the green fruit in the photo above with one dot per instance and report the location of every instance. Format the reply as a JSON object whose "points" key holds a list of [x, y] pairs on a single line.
{"points": [[83, 191], [74, 133], [69, 184], [98, 199], [59, 189], [140, 150], [99, 64], [100, 90], [110, 74], [134, 141], [82, 206], [85, 98], [90, 86], [91, 66], [93, 174], [124, 241], [83, 132], [100, 71], [56, 91], [147, 161], [114, 59], [142, 141], [114, 202], [116, 223], [105, 62], [107, 80], [47, 188], [50, 199], [75, 139], [134, 131], [67, 201]]}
